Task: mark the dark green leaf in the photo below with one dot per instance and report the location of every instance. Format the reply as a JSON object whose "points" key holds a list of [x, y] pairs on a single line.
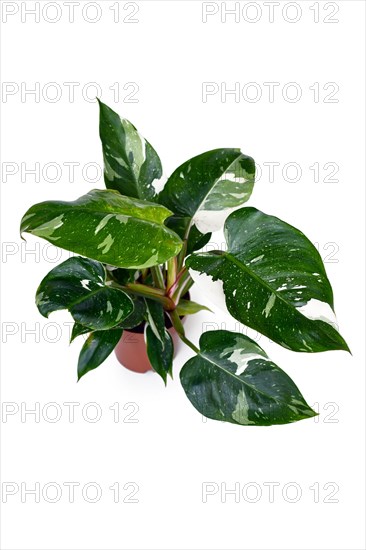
{"points": [[108, 227], [137, 316], [96, 349], [122, 276], [78, 330], [78, 284], [160, 356], [130, 163], [274, 282], [232, 379], [207, 187]]}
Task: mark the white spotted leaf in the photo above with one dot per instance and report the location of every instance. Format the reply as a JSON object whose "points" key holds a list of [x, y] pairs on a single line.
{"points": [[98, 346], [231, 379], [131, 165], [160, 352], [274, 281], [210, 186], [79, 285], [108, 227]]}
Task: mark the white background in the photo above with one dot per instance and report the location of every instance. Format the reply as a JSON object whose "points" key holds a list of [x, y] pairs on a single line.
{"points": [[170, 452]]}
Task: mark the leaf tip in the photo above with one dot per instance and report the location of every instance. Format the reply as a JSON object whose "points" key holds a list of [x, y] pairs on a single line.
{"points": [[346, 348], [100, 103], [80, 375]]}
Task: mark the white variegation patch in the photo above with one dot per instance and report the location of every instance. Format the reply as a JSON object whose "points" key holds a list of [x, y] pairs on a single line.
{"points": [[228, 194], [40, 301], [240, 413], [231, 176], [106, 244], [269, 305], [110, 174], [103, 222], [317, 310], [120, 161], [119, 315], [85, 283], [239, 357], [242, 360], [47, 229], [25, 218], [135, 147], [121, 218], [257, 259], [159, 183]]}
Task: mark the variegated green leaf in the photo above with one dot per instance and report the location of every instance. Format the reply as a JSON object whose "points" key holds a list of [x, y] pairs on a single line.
{"points": [[208, 187], [156, 319], [78, 285], [274, 282], [108, 227], [122, 276], [131, 165], [96, 349], [160, 354], [137, 316], [231, 379], [78, 330]]}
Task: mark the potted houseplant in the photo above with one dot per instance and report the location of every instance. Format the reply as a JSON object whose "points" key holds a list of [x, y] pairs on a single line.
{"points": [[136, 252]]}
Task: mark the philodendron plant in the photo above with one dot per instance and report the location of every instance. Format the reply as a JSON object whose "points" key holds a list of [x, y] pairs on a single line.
{"points": [[137, 251]]}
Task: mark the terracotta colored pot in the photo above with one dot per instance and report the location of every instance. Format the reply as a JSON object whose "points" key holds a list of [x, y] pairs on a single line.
{"points": [[131, 349]]}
